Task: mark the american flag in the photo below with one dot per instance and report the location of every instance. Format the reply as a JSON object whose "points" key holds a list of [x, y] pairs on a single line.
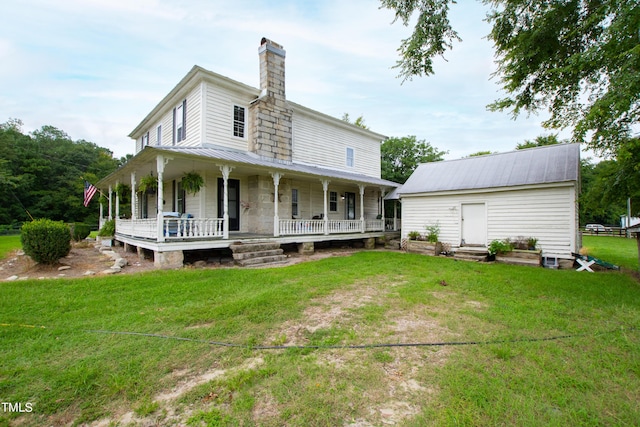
{"points": [[89, 191]]}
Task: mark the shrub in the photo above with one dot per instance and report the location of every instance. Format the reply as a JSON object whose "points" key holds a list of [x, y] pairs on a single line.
{"points": [[79, 231], [499, 247], [46, 241], [413, 235], [433, 232], [108, 228]]}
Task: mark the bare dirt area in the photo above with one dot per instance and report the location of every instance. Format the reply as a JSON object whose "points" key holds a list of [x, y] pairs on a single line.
{"points": [[85, 259]]}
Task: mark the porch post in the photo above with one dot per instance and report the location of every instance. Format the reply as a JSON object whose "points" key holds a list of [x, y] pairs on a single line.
{"points": [[160, 197], [110, 204], [395, 215], [226, 170], [362, 208], [101, 218], [276, 220], [134, 206], [117, 201], [382, 190], [325, 216]]}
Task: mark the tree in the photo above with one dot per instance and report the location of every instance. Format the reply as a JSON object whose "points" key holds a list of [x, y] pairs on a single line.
{"points": [[578, 59], [482, 153], [540, 141], [358, 122], [42, 174], [401, 156]]}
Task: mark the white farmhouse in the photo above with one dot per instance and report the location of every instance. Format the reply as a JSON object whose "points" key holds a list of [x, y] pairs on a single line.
{"points": [[272, 171], [475, 200]]}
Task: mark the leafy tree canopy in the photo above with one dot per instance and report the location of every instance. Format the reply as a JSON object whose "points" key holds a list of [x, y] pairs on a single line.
{"points": [[539, 141], [578, 59], [401, 156], [43, 173], [358, 122]]}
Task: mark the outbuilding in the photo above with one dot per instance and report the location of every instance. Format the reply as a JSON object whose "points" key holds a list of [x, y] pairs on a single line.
{"points": [[531, 193]]}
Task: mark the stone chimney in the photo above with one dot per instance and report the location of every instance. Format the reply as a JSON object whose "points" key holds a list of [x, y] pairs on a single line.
{"points": [[270, 113]]}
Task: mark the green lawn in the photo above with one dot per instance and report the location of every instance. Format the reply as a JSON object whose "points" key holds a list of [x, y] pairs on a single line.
{"points": [[551, 347], [615, 250], [9, 244]]}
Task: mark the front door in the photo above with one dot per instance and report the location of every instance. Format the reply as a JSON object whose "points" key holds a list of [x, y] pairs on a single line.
{"points": [[350, 205], [234, 202], [474, 224]]}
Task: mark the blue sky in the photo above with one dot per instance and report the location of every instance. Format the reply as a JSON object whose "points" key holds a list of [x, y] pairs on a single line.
{"points": [[95, 68]]}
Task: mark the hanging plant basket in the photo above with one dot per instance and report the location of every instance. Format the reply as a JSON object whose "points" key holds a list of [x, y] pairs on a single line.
{"points": [[148, 184], [192, 182]]}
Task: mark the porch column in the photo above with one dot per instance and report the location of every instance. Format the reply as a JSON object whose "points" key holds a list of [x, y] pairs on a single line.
{"points": [[325, 216], [276, 219], [110, 204], [362, 208], [134, 205], [382, 191], [395, 215], [160, 163], [226, 170], [101, 218], [117, 201]]}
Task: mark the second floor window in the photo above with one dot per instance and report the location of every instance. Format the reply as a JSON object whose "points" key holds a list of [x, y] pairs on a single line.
{"points": [[145, 139], [350, 157], [159, 140], [294, 202], [238, 121], [180, 122]]}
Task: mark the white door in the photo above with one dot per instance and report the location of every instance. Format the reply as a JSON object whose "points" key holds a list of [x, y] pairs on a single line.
{"points": [[474, 224]]}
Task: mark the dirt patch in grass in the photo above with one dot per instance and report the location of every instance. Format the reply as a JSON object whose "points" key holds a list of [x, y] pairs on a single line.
{"points": [[85, 259]]}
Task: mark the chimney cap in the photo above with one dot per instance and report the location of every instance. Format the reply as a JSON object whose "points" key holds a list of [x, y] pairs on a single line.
{"points": [[270, 43]]}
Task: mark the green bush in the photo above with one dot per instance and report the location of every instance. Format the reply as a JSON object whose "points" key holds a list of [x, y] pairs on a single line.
{"points": [[108, 228], [500, 247], [79, 231], [46, 241]]}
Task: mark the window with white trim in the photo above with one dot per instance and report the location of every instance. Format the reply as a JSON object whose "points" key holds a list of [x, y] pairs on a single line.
{"points": [[238, 121], [180, 122], [350, 157], [159, 135], [294, 202], [145, 139], [333, 201]]}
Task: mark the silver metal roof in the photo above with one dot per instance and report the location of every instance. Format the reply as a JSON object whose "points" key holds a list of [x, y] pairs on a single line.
{"points": [[541, 165], [252, 159]]}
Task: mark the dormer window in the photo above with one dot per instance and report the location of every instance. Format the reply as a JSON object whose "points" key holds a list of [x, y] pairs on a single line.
{"points": [[238, 121], [180, 122]]}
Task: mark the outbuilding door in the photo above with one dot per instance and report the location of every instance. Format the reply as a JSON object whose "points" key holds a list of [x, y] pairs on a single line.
{"points": [[474, 224]]}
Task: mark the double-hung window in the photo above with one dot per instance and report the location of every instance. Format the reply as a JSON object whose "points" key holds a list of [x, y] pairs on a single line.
{"points": [[350, 157], [294, 202], [145, 139], [180, 122], [238, 121], [159, 135], [333, 201]]}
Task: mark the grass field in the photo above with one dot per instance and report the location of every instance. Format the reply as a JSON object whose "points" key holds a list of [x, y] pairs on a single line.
{"points": [[516, 346], [615, 250], [8, 244]]}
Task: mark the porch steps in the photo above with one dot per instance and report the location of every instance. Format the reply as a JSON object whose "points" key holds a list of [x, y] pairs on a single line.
{"points": [[479, 254], [257, 254]]}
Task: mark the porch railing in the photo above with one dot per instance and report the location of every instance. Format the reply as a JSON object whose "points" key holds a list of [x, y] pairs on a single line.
{"points": [[145, 228], [179, 228], [292, 227], [192, 228]]}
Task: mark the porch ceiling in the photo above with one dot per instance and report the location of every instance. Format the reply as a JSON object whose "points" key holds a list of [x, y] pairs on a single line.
{"points": [[243, 163]]}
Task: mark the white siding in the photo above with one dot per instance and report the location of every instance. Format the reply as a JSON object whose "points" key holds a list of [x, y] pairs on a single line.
{"points": [[219, 117], [318, 142], [194, 115], [548, 214]]}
